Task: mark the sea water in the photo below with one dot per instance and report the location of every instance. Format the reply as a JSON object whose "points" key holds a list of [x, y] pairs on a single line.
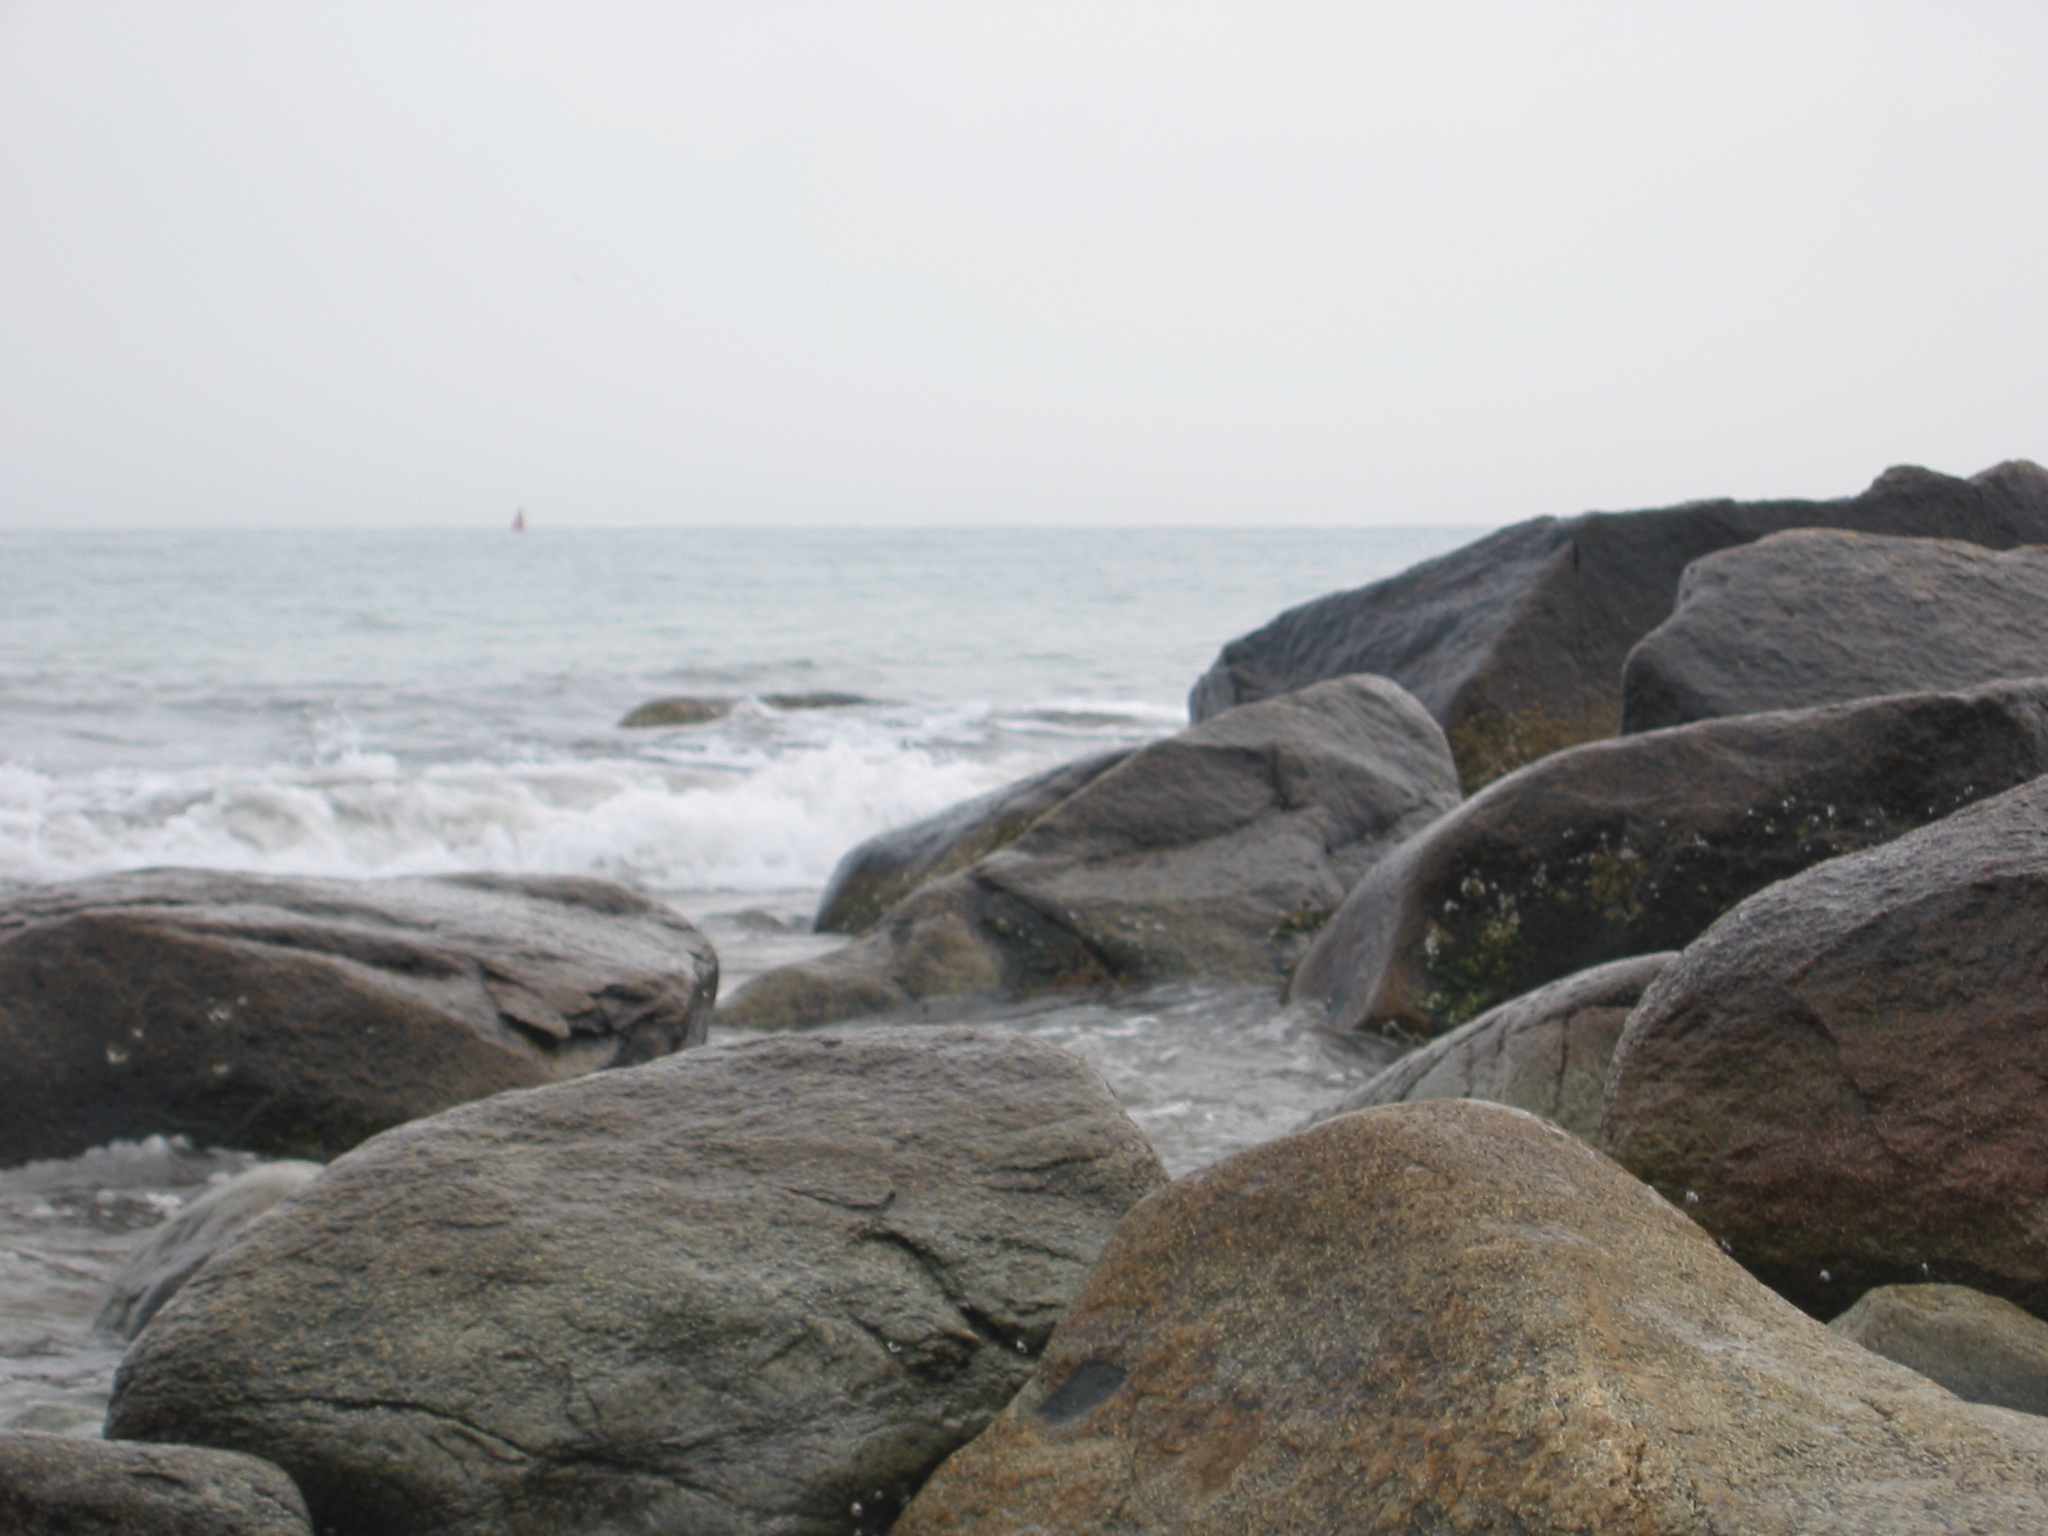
{"points": [[401, 703]]}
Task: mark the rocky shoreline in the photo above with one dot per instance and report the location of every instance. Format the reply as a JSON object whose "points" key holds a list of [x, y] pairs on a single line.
{"points": [[1687, 863]]}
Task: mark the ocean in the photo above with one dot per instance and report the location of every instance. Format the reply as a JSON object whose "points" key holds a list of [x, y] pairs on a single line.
{"points": [[398, 703]]}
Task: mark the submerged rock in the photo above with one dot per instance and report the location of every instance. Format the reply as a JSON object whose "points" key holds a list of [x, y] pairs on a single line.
{"points": [[676, 711], [1515, 643], [1211, 855], [1842, 1078], [885, 869], [1546, 1052], [1821, 616], [295, 1017], [1451, 1316], [61, 1485], [1625, 847], [762, 1286], [1981, 1348]]}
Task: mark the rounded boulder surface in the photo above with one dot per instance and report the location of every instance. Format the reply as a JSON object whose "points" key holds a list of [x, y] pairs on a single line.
{"points": [[1981, 1348], [59, 1485], [761, 1287], [1846, 1078], [1453, 1317], [295, 1017]]}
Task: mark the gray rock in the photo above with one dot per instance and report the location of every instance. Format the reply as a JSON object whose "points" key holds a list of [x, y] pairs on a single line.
{"points": [[884, 870], [1841, 1079], [761, 1287], [1211, 855], [174, 1251], [1981, 1348], [1516, 643], [1821, 616], [295, 1017], [1635, 845], [1546, 1051], [1453, 1317], [58, 1485]]}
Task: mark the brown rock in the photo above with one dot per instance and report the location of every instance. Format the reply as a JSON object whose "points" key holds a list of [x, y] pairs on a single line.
{"points": [[1451, 1316], [1843, 1078], [676, 711], [59, 1485], [1981, 1348]]}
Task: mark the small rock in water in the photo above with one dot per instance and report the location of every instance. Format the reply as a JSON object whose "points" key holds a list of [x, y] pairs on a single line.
{"points": [[677, 711], [820, 700]]}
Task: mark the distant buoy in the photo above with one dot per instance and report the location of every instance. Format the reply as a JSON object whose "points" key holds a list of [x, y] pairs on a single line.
{"points": [[519, 521]]}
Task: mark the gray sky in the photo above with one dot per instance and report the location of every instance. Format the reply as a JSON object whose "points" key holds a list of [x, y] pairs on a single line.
{"points": [[358, 264]]}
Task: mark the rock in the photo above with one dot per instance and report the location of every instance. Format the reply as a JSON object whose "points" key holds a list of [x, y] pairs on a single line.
{"points": [[1981, 1348], [174, 1251], [60, 1485], [1546, 1052], [823, 699], [677, 711], [295, 1017], [1452, 1316], [1629, 846], [884, 870], [761, 1286], [1211, 855], [1515, 643], [1821, 616], [1842, 1078]]}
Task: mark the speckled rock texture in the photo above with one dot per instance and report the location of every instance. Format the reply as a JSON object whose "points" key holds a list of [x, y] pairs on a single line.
{"points": [[1546, 1052], [1980, 1347], [59, 1485], [1821, 616], [755, 1289], [1452, 1317], [1846, 1078], [296, 1017], [1213, 855], [1516, 643], [1630, 846]]}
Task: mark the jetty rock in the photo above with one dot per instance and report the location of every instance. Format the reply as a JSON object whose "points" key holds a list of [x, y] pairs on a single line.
{"points": [[1547, 1051], [1983, 1349], [1637, 844], [1515, 643], [888, 867], [1821, 616], [1453, 1316], [1842, 1078], [64, 1485], [295, 1017], [761, 1286], [1211, 855]]}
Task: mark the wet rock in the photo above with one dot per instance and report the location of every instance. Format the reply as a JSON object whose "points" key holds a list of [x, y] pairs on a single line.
{"points": [[295, 1017], [1546, 1052], [1843, 1078], [676, 711], [762, 1286], [1981, 1348], [1821, 616], [173, 1253], [823, 699], [1451, 1316], [1516, 643], [59, 1485], [1211, 855], [1630, 846], [884, 870]]}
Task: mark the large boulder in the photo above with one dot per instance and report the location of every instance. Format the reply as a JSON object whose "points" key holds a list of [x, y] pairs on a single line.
{"points": [[1515, 643], [756, 1287], [1546, 1051], [1842, 1079], [1821, 616], [295, 1017], [1452, 1316], [59, 1485], [885, 869], [1635, 845], [1982, 1348], [1213, 855]]}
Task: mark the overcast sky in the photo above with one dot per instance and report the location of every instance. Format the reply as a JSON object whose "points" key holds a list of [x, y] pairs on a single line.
{"points": [[362, 264]]}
